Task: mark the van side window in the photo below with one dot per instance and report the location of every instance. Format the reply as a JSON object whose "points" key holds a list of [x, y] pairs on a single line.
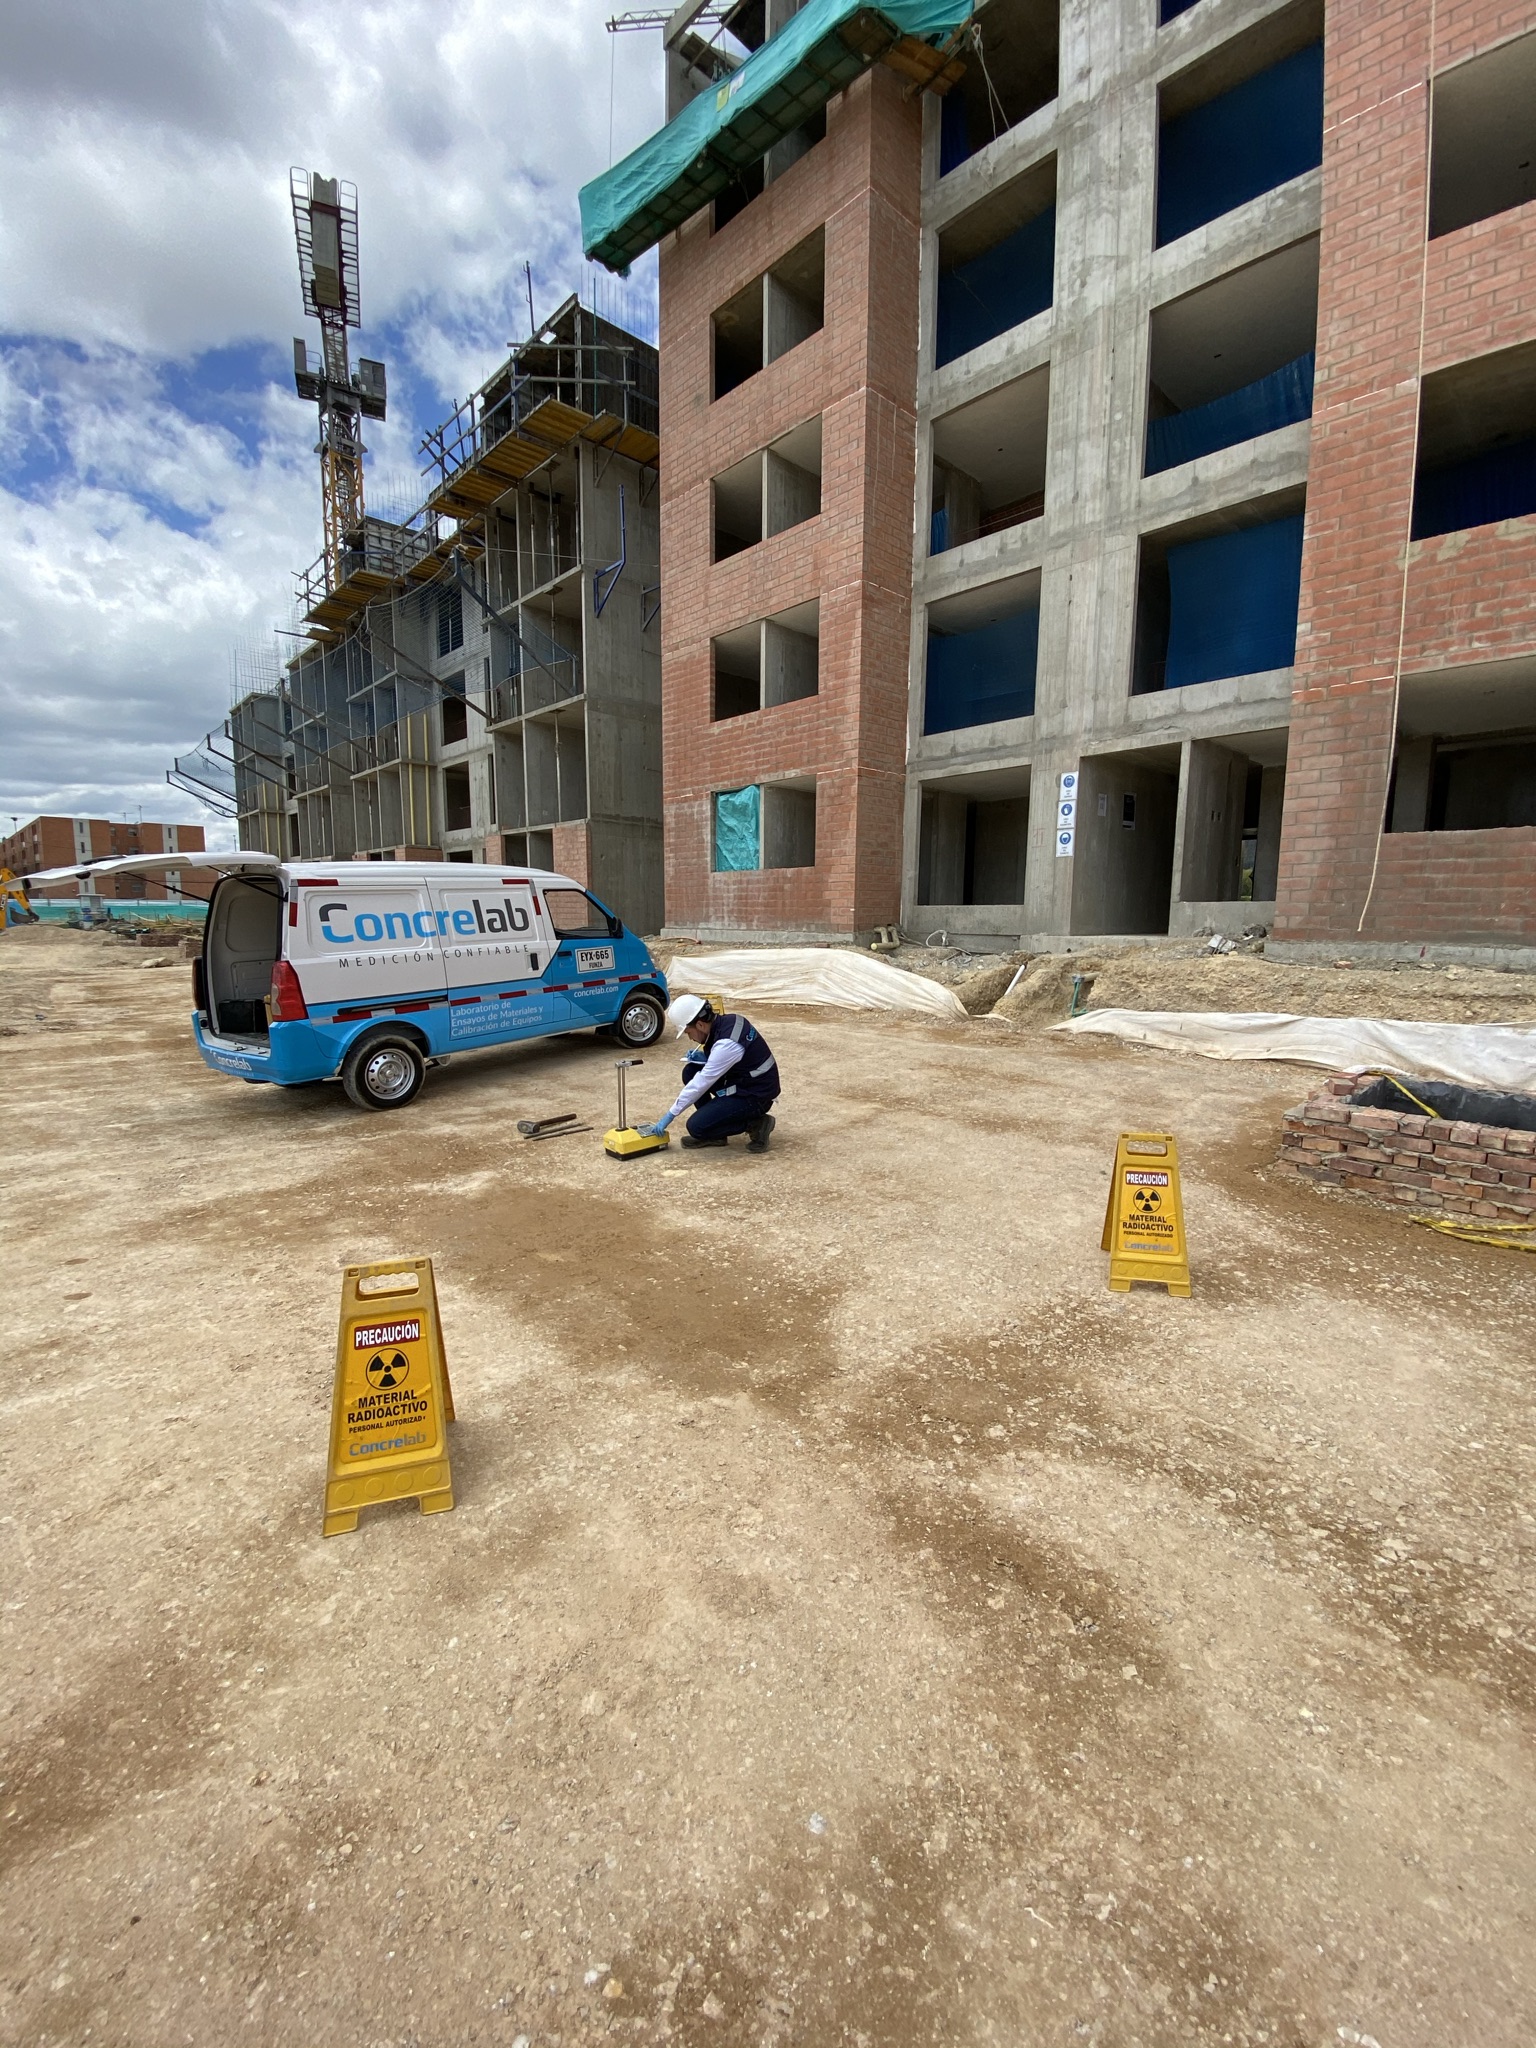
{"points": [[575, 916]]}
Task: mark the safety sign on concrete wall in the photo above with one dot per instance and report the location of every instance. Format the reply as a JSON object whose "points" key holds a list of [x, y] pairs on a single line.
{"points": [[392, 1401], [1066, 814], [1144, 1221]]}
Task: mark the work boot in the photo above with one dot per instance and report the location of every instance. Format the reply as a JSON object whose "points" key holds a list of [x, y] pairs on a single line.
{"points": [[697, 1144], [757, 1134]]}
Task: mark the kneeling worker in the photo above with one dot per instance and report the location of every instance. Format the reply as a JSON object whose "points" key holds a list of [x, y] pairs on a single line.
{"points": [[733, 1078]]}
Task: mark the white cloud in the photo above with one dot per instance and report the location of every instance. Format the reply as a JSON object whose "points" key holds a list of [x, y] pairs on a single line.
{"points": [[144, 150]]}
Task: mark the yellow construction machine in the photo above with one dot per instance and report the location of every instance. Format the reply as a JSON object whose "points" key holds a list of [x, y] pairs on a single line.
{"points": [[14, 906]]}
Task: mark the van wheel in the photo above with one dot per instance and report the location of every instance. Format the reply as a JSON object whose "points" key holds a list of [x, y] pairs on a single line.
{"points": [[640, 1021], [384, 1073]]}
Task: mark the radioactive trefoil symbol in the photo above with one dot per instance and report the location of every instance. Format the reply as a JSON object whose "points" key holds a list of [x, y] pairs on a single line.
{"points": [[1148, 1199], [388, 1372]]}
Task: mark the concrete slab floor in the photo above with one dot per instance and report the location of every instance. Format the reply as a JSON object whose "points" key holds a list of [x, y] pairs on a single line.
{"points": [[856, 1625]]}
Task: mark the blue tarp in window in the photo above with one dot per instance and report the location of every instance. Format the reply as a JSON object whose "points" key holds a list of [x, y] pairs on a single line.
{"points": [[1232, 603], [1260, 134], [1274, 401], [1500, 484], [997, 289], [738, 830], [938, 531], [977, 677]]}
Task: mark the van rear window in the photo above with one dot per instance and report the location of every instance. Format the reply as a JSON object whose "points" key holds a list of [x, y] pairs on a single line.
{"points": [[575, 915]]}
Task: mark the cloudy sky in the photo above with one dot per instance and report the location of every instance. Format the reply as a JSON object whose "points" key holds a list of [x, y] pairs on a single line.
{"points": [[157, 485]]}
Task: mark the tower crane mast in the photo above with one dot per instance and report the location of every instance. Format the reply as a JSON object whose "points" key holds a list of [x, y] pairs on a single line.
{"points": [[325, 226]]}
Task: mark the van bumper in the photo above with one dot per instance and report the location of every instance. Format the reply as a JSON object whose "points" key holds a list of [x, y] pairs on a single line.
{"points": [[295, 1053]]}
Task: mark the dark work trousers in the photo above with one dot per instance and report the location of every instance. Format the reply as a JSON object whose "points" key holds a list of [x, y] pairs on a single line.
{"points": [[722, 1116]]}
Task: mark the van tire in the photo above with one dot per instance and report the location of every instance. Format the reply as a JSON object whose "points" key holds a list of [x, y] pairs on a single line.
{"points": [[384, 1072], [639, 1022]]}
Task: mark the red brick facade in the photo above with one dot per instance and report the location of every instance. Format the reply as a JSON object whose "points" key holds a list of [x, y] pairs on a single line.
{"points": [[1469, 596], [858, 373], [52, 843]]}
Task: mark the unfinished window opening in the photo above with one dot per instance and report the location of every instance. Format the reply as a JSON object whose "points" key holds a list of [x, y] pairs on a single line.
{"points": [[770, 316], [997, 264], [789, 823], [1122, 858], [738, 678], [1233, 360], [455, 712], [751, 183], [766, 825], [768, 493], [1219, 597], [1170, 10], [1466, 750], [1244, 121], [982, 652], [1477, 443], [1012, 73], [457, 816], [989, 462], [973, 839], [1234, 793], [1483, 136], [450, 620], [776, 661]]}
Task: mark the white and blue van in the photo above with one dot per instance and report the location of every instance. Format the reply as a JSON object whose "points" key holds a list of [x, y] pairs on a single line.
{"points": [[369, 972]]}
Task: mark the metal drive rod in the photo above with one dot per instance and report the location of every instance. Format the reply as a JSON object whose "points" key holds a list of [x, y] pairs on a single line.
{"points": [[619, 1066]]}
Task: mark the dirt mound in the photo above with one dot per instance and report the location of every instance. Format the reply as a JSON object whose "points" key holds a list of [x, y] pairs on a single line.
{"points": [[979, 991], [1148, 980], [1044, 996]]}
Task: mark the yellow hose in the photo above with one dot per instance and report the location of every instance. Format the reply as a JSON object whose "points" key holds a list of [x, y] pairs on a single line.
{"points": [[1508, 1237]]}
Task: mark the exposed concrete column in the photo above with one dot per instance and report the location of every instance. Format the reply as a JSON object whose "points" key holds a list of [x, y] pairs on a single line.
{"points": [[790, 665], [1410, 795], [941, 858], [787, 319], [1214, 785], [1266, 859], [790, 494]]}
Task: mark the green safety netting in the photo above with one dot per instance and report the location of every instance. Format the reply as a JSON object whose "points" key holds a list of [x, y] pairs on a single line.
{"points": [[716, 136]]}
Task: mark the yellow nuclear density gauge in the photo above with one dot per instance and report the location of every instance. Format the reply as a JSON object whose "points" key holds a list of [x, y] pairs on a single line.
{"points": [[1144, 1221], [392, 1401]]}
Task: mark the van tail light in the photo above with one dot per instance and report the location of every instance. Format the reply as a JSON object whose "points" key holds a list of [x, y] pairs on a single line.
{"points": [[285, 1005]]}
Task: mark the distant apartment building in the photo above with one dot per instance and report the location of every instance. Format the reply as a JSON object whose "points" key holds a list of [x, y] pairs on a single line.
{"points": [[62, 842], [1099, 486], [483, 683]]}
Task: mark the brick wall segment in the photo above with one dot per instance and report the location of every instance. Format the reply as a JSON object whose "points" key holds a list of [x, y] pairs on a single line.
{"points": [[859, 374]]}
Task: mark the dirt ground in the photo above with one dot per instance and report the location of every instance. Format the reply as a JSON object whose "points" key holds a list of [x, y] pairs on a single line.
{"points": [[856, 1625]]}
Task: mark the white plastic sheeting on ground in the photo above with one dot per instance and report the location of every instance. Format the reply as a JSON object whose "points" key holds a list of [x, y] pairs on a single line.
{"points": [[811, 974], [1501, 1056]]}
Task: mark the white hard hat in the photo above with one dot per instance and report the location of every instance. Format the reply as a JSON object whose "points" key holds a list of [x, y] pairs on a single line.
{"points": [[682, 1010]]}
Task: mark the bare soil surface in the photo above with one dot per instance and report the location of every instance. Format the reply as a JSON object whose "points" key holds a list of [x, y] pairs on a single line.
{"points": [[856, 1625]]}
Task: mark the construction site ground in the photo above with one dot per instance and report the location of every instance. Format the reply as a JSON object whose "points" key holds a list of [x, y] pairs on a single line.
{"points": [[856, 1625]]}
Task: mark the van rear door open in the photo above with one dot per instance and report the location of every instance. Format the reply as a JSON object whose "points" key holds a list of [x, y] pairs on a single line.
{"points": [[496, 947], [371, 943]]}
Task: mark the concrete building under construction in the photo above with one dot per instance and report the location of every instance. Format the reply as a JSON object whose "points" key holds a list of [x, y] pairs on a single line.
{"points": [[482, 681], [1100, 487]]}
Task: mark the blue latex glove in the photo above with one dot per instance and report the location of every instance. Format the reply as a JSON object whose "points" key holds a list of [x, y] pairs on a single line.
{"points": [[657, 1129]]}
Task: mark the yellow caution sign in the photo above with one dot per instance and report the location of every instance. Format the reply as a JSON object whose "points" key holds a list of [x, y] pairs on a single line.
{"points": [[1144, 1222], [392, 1401]]}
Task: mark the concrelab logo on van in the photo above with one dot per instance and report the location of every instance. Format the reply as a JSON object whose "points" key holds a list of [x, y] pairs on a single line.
{"points": [[369, 927]]}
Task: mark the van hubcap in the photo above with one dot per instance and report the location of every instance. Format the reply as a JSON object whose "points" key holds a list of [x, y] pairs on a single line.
{"points": [[638, 1023], [388, 1074]]}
